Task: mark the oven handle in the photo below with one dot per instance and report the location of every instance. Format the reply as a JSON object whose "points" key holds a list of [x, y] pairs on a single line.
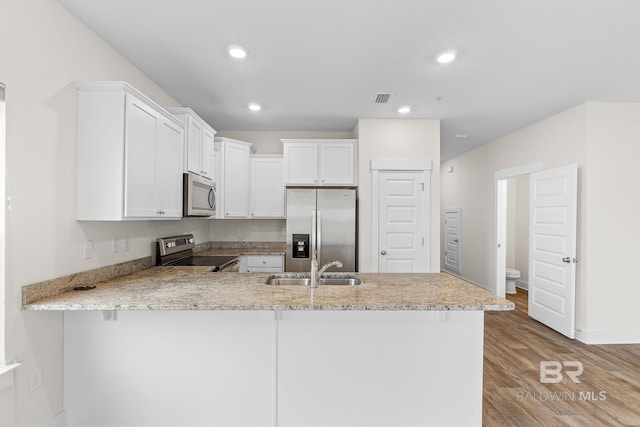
{"points": [[228, 266]]}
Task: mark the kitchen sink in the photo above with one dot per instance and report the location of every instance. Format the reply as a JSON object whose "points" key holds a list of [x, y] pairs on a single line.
{"points": [[297, 279]]}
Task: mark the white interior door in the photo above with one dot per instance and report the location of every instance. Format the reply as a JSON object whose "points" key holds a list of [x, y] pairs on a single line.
{"points": [[402, 222], [452, 240], [552, 248]]}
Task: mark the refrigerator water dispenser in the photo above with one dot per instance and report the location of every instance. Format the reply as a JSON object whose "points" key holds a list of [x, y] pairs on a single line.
{"points": [[300, 246]]}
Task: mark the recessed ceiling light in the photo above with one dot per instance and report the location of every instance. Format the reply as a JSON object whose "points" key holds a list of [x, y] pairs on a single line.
{"points": [[254, 106], [404, 110], [237, 52], [446, 57]]}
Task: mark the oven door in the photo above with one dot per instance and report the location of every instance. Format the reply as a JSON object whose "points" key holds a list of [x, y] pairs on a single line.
{"points": [[199, 196]]}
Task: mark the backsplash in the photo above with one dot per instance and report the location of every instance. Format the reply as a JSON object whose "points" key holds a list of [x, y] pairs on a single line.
{"points": [[248, 230]]}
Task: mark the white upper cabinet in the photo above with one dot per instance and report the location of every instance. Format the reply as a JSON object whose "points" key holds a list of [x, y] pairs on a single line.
{"points": [[317, 162], [129, 155], [199, 138], [267, 186], [233, 185]]}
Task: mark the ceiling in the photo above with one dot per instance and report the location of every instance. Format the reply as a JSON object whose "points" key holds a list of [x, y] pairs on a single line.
{"points": [[318, 65]]}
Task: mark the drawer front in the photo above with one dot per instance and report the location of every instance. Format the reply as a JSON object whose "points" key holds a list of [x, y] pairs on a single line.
{"points": [[264, 261]]}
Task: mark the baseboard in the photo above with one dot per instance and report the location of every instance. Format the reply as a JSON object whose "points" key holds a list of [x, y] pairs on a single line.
{"points": [[608, 336], [59, 420], [522, 284]]}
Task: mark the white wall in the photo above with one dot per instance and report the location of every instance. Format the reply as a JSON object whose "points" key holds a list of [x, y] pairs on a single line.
{"points": [[602, 139], [44, 49], [396, 139], [613, 230]]}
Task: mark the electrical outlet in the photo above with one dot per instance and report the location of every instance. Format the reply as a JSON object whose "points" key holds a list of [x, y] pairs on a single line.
{"points": [[115, 246], [88, 249], [125, 244], [35, 379]]}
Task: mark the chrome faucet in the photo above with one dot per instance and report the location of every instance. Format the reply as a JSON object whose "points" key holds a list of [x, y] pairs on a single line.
{"points": [[327, 265], [315, 273]]}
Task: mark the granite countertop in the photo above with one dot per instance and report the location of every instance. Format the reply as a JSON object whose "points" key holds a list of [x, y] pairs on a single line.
{"points": [[196, 288]]}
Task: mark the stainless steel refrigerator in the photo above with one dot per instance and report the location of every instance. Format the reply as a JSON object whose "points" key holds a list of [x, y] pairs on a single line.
{"points": [[323, 219]]}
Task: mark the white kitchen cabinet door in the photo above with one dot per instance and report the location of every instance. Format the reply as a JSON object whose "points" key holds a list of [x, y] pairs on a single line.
{"points": [[194, 145], [235, 179], [140, 149], [301, 163], [198, 142], [169, 175], [318, 162], [337, 163], [267, 187], [207, 153]]}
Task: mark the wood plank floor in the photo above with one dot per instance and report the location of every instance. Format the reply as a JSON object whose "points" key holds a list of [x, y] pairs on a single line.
{"points": [[608, 393]]}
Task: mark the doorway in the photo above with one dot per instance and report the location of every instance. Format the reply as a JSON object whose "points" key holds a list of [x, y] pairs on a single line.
{"points": [[552, 242], [502, 192]]}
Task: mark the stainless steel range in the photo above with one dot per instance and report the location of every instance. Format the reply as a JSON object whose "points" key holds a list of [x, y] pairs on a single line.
{"points": [[178, 251]]}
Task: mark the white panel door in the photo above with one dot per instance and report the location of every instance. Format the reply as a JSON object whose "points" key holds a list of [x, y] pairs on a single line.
{"points": [[402, 221], [452, 239], [552, 248]]}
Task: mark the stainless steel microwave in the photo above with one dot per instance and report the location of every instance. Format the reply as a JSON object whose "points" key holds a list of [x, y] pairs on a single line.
{"points": [[199, 196]]}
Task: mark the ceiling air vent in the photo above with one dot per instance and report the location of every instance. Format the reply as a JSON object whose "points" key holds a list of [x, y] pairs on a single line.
{"points": [[382, 98]]}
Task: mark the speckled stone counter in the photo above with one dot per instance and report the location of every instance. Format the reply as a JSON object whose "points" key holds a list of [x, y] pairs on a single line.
{"points": [[196, 288]]}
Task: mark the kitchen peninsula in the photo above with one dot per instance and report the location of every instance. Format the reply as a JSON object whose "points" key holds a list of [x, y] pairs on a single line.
{"points": [[183, 346]]}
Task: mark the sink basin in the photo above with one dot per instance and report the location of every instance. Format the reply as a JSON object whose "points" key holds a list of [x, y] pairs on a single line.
{"points": [[290, 281], [344, 281], [297, 279]]}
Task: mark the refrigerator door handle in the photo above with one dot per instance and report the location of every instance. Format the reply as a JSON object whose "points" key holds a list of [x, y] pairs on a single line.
{"points": [[312, 249], [319, 234]]}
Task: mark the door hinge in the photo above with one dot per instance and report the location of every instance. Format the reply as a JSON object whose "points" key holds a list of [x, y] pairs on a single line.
{"points": [[422, 184], [423, 241]]}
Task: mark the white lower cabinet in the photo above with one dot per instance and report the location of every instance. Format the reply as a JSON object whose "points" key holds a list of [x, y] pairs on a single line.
{"points": [[129, 155], [261, 263]]}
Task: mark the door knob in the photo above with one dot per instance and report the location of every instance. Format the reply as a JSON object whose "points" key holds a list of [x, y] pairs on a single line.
{"points": [[566, 259], [383, 252]]}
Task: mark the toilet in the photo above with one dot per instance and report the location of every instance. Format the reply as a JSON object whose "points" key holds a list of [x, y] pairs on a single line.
{"points": [[512, 275]]}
